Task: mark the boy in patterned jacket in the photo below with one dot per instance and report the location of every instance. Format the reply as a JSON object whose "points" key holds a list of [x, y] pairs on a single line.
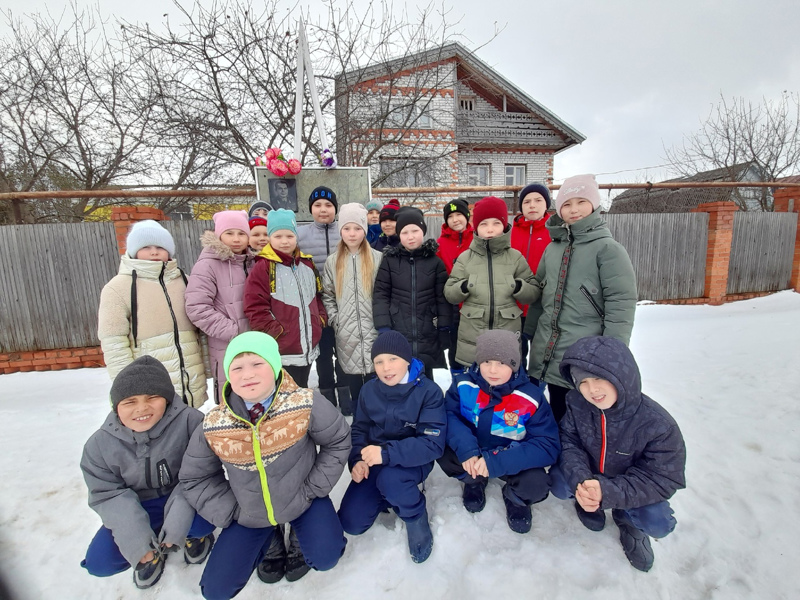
{"points": [[264, 436]]}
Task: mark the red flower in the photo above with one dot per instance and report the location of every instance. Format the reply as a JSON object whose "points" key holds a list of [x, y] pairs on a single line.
{"points": [[278, 167], [294, 166], [272, 153]]}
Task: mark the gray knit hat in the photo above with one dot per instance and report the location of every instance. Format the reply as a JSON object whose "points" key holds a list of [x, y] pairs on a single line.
{"points": [[353, 213], [259, 204], [500, 345], [579, 375], [145, 375], [149, 233]]}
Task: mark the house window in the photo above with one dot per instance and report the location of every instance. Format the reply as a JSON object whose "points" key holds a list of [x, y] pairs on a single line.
{"points": [[466, 103], [404, 114], [400, 172], [479, 174], [515, 174]]}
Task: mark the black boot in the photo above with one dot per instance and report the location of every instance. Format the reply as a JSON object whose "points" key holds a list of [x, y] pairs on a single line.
{"points": [[196, 550], [330, 394], [518, 516], [591, 520], [420, 538], [147, 574], [474, 496], [296, 565], [345, 401], [635, 542], [272, 567]]}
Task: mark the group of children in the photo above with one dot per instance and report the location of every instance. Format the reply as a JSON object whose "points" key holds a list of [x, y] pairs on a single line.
{"points": [[271, 450]]}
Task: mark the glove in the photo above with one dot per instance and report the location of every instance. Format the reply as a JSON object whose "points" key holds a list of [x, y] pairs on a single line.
{"points": [[464, 286], [517, 285]]}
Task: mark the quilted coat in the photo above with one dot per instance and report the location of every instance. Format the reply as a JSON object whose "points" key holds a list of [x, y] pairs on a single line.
{"points": [[530, 238], [318, 240]]}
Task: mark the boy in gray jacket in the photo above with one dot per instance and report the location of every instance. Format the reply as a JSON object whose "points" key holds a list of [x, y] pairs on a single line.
{"points": [[143, 510]]}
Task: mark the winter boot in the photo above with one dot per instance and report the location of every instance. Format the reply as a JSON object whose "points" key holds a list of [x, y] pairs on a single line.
{"points": [[147, 574], [474, 496], [635, 542], [591, 520], [272, 567], [329, 393], [197, 550], [345, 401], [420, 538], [518, 515], [296, 565]]}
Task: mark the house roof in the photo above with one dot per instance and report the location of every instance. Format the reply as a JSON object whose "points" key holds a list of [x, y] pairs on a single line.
{"points": [[477, 68]]}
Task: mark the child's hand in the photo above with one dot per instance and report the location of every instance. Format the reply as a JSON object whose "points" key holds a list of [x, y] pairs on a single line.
{"points": [[469, 466], [589, 495], [147, 557], [360, 471], [481, 468], [372, 455]]}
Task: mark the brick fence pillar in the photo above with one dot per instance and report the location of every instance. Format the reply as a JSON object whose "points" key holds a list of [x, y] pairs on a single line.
{"points": [[125, 216], [788, 200], [718, 255]]}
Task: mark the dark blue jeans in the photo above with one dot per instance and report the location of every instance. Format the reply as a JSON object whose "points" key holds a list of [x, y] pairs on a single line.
{"points": [[103, 557], [656, 520]]}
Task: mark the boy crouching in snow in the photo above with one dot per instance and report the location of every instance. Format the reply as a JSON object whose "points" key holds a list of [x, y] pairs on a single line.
{"points": [[265, 434], [500, 425], [131, 468], [398, 431], [621, 450]]}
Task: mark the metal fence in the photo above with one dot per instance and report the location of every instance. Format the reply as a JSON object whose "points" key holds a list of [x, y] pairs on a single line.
{"points": [[762, 250]]}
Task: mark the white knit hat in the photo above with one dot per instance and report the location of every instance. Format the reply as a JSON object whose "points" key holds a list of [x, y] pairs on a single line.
{"points": [[149, 233], [578, 186], [353, 213]]}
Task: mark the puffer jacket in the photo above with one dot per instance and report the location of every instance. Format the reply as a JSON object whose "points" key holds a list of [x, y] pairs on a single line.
{"points": [[588, 288], [386, 241], [274, 470], [350, 312], [318, 240], [283, 298], [408, 298], [452, 244], [635, 448], [407, 420], [214, 298], [511, 425], [496, 277], [530, 238], [373, 233], [122, 468], [143, 313]]}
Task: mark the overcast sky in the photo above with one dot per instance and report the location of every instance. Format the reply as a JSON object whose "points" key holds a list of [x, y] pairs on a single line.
{"points": [[631, 75]]}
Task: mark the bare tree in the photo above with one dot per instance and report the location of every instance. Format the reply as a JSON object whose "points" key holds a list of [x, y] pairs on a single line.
{"points": [[737, 133]]}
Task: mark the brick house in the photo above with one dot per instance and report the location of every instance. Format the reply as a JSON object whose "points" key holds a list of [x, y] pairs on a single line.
{"points": [[443, 117]]}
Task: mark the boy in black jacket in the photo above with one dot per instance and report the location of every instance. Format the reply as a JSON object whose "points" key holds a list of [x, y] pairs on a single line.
{"points": [[620, 449]]}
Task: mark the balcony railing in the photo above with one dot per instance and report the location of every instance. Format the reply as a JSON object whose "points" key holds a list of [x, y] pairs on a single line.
{"points": [[497, 128]]}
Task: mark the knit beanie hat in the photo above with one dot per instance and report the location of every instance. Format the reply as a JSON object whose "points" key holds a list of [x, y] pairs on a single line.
{"points": [[490, 208], [374, 205], [149, 233], [389, 211], [408, 215], [353, 213], [281, 219], [259, 204], [230, 219], [535, 187], [578, 186], [323, 193], [579, 375], [145, 375], [257, 221], [498, 344], [459, 205], [255, 342], [392, 342]]}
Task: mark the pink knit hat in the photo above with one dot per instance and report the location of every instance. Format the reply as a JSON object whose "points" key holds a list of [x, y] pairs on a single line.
{"points": [[230, 219], [578, 186], [353, 213]]}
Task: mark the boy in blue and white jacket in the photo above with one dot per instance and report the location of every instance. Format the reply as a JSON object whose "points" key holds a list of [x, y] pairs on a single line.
{"points": [[398, 432], [500, 425]]}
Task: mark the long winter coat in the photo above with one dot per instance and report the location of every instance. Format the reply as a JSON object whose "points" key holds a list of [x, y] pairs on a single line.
{"points": [[530, 238], [511, 425], [635, 448], [318, 240], [453, 244], [271, 480], [123, 468], [407, 420], [283, 298], [142, 313], [492, 271], [589, 288], [409, 298], [214, 298], [350, 312]]}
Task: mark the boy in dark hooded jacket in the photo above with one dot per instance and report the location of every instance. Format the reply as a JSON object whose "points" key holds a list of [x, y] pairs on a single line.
{"points": [[620, 449]]}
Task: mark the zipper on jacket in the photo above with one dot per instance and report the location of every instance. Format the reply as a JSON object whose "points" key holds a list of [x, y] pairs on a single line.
{"points": [[530, 238], [603, 442], [176, 335], [148, 479], [303, 310], [491, 286], [592, 302], [559, 299], [413, 304], [358, 316], [327, 242]]}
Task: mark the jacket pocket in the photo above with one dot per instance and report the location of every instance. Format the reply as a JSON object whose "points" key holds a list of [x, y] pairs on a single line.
{"points": [[589, 291], [472, 312]]}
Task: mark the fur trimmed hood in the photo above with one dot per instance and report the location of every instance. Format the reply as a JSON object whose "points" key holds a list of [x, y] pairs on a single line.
{"points": [[428, 249], [214, 247]]}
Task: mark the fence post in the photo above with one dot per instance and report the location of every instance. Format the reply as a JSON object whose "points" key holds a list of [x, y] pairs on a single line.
{"points": [[788, 200], [125, 216], [718, 255]]}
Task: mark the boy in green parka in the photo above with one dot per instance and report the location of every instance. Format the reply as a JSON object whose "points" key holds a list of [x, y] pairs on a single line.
{"points": [[587, 283]]}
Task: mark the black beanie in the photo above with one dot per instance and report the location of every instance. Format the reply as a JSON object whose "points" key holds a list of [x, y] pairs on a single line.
{"points": [[459, 205], [145, 375], [535, 187], [389, 211], [323, 193], [408, 215], [392, 342]]}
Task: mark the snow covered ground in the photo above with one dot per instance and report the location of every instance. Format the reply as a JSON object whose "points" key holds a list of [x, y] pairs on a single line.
{"points": [[728, 374]]}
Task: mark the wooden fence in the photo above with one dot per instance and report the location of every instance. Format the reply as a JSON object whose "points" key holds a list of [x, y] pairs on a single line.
{"points": [[762, 250], [187, 236]]}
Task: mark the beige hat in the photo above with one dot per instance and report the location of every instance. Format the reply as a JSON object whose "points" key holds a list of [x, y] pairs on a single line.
{"points": [[353, 213], [578, 186]]}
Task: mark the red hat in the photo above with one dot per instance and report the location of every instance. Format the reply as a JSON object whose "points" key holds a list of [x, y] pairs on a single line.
{"points": [[490, 208], [389, 211], [256, 221]]}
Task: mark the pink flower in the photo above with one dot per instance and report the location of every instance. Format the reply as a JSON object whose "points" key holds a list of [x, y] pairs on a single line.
{"points": [[294, 166], [259, 162], [278, 167], [271, 154]]}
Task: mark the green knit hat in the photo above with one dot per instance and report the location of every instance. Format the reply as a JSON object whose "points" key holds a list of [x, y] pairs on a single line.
{"points": [[254, 342]]}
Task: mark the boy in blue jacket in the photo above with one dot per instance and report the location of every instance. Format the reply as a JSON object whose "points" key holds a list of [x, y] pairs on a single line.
{"points": [[398, 431], [500, 425], [621, 450]]}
